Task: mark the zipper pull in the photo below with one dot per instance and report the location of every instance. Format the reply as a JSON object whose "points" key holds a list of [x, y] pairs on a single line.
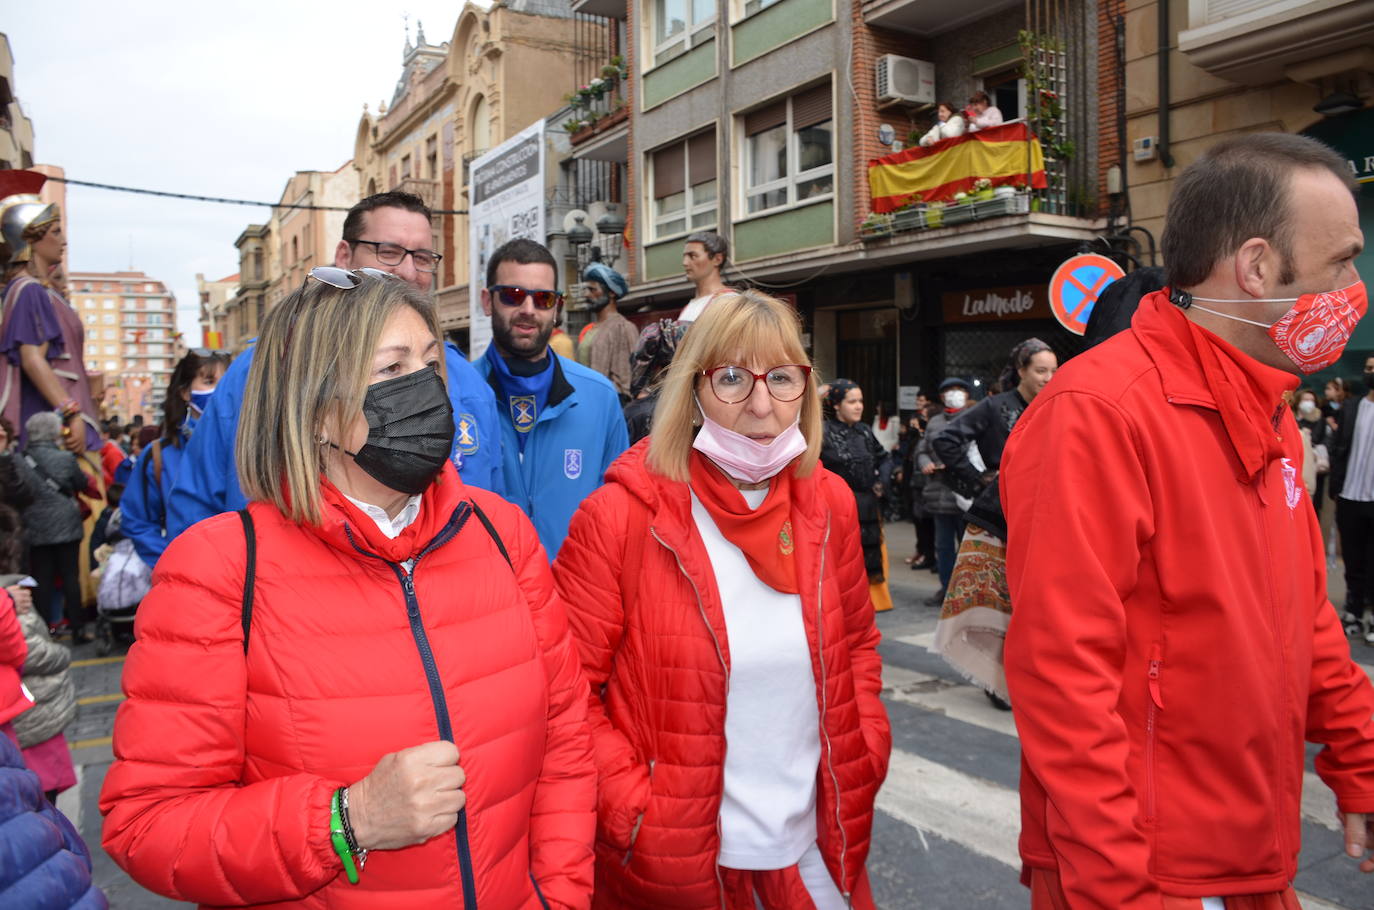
{"points": [[1156, 667]]}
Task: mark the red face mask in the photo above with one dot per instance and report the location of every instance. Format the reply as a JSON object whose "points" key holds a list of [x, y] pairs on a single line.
{"points": [[1313, 333]]}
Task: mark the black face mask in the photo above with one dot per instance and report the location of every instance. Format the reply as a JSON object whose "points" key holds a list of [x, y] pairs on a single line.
{"points": [[409, 431], [1369, 381]]}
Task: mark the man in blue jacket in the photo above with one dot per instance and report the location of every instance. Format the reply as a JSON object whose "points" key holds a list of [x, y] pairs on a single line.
{"points": [[388, 231], [561, 423]]}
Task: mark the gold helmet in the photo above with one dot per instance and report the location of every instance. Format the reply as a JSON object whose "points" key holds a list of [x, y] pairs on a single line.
{"points": [[22, 209]]}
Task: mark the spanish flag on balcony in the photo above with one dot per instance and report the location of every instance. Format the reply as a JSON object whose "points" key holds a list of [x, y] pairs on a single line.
{"points": [[1007, 155]]}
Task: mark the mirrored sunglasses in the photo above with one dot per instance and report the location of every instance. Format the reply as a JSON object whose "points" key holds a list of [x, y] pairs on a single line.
{"points": [[513, 296]]}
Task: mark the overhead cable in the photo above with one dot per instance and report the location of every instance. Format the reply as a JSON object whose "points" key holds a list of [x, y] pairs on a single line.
{"points": [[220, 199]]}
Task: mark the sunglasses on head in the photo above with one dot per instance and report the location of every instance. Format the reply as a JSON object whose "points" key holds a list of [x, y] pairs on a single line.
{"points": [[345, 279], [513, 296], [209, 352]]}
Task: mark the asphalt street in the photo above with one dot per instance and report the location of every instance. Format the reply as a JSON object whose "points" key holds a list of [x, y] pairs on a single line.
{"points": [[948, 817]]}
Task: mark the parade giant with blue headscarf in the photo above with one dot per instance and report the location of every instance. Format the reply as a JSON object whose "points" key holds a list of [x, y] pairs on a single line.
{"points": [[614, 283]]}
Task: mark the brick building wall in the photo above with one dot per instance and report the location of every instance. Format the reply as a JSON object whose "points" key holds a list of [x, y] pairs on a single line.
{"points": [[869, 45], [1110, 107]]}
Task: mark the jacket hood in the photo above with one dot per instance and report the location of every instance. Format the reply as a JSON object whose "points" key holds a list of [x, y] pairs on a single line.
{"points": [[342, 520], [1196, 367]]}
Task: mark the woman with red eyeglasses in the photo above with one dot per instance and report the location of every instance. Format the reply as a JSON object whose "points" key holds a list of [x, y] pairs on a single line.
{"points": [[717, 591]]}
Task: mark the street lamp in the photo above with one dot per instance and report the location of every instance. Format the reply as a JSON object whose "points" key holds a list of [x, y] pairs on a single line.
{"points": [[611, 227]]}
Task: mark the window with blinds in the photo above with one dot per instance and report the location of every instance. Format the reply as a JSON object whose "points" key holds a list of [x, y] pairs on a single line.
{"points": [[789, 151], [684, 186]]}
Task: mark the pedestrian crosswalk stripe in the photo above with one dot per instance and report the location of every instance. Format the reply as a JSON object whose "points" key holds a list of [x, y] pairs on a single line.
{"points": [[967, 703], [974, 813], [960, 702]]}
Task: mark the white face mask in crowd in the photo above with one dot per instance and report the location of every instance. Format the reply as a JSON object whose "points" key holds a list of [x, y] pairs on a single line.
{"points": [[1307, 408], [955, 399], [748, 460]]}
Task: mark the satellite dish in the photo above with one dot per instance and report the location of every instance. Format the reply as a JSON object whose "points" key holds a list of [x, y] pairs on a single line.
{"points": [[886, 134], [575, 217]]}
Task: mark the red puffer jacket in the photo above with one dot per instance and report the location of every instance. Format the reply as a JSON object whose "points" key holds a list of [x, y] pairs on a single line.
{"points": [[224, 766], [644, 608], [14, 699]]}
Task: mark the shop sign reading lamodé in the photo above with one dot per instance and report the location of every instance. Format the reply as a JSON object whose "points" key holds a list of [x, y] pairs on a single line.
{"points": [[1001, 304]]}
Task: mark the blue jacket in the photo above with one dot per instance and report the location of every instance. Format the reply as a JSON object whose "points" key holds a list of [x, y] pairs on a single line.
{"points": [[577, 435], [43, 861], [208, 483], [144, 506]]}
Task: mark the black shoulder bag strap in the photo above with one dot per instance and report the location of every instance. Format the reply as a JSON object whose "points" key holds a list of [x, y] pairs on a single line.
{"points": [[249, 573], [491, 529]]}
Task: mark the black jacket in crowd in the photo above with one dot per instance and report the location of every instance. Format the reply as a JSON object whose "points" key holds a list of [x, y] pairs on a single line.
{"points": [[853, 452], [1340, 442]]}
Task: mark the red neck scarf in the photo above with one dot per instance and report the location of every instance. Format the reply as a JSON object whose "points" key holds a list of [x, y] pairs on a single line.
{"points": [[764, 534]]}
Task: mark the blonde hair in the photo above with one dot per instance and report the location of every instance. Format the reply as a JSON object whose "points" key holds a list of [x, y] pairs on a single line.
{"points": [[309, 375], [745, 328]]}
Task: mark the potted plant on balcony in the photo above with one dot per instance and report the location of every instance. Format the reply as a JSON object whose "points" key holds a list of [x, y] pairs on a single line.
{"points": [[906, 218], [934, 215], [982, 188], [957, 212], [875, 225], [572, 124]]}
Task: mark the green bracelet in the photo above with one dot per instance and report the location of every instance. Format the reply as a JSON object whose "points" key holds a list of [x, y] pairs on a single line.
{"points": [[336, 835]]}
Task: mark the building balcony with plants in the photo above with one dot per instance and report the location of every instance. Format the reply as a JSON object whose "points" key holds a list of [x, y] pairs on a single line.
{"points": [[599, 106], [1040, 168]]}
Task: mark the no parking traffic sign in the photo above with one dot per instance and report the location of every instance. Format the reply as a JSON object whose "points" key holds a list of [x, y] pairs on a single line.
{"points": [[1076, 285]]}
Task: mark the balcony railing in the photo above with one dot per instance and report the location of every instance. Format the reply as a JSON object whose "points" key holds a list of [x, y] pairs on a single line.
{"points": [[467, 163], [427, 190], [598, 107]]}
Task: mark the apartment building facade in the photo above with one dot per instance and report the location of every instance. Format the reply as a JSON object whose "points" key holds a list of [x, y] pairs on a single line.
{"points": [[214, 298], [259, 280], [16, 129], [761, 120], [1228, 68], [502, 69], [131, 338]]}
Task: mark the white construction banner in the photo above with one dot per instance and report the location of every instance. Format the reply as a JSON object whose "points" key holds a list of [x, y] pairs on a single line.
{"points": [[507, 186]]}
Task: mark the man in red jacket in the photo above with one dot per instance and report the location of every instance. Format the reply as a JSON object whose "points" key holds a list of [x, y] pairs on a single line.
{"points": [[1172, 645]]}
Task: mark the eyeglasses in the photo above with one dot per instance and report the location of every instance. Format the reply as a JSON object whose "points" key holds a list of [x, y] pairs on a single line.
{"points": [[513, 296], [733, 384], [395, 254]]}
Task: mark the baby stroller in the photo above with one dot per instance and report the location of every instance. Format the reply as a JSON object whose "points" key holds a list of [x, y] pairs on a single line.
{"points": [[124, 581]]}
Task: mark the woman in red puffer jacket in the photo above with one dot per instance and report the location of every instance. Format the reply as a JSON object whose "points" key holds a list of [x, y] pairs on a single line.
{"points": [[717, 590], [399, 721]]}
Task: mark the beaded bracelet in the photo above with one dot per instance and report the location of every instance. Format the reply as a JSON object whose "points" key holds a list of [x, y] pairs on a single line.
{"points": [[340, 842], [348, 830]]}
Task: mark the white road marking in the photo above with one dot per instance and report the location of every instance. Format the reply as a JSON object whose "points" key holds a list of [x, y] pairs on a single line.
{"points": [[69, 800], [974, 813]]}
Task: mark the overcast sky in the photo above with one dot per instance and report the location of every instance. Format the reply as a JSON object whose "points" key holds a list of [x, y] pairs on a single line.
{"points": [[217, 100]]}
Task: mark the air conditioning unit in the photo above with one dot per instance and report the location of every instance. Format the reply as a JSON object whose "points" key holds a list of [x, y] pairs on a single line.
{"points": [[904, 79]]}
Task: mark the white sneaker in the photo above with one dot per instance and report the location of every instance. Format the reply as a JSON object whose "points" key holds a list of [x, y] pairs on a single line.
{"points": [[1368, 623]]}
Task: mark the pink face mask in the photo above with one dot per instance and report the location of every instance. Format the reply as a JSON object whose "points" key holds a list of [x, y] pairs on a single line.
{"points": [[747, 460], [1313, 333]]}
